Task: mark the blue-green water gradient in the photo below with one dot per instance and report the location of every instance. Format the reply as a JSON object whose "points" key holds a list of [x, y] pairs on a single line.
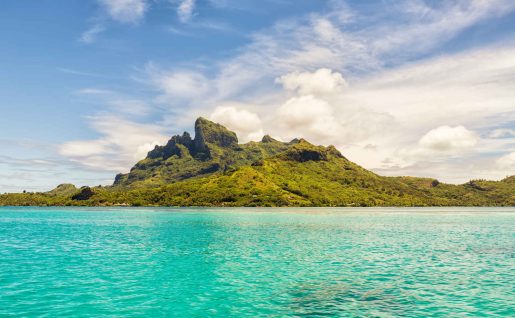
{"points": [[125, 262]]}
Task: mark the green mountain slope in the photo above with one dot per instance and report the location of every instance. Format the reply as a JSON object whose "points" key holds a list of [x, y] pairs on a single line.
{"points": [[214, 170], [214, 149]]}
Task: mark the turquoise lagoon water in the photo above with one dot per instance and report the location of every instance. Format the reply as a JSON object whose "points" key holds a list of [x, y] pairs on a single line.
{"points": [[59, 262]]}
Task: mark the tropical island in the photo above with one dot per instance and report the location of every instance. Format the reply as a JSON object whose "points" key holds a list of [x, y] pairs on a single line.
{"points": [[213, 169]]}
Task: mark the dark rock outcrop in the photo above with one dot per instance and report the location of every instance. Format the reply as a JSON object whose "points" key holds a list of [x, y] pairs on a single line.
{"points": [[267, 139], [172, 148], [474, 185], [208, 132], [85, 193], [303, 151]]}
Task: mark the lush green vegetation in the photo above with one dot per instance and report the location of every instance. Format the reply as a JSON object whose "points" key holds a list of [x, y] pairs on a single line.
{"points": [[214, 170], [215, 149]]}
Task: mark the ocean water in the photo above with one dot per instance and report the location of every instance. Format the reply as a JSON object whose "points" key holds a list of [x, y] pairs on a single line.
{"points": [[90, 262]]}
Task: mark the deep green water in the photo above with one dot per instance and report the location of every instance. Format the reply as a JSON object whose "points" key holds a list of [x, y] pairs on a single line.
{"points": [[390, 262]]}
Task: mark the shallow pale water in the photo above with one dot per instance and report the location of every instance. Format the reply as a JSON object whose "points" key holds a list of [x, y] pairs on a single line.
{"points": [[439, 262]]}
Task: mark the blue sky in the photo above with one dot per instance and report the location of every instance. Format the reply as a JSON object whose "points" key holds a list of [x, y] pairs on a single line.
{"points": [[422, 88]]}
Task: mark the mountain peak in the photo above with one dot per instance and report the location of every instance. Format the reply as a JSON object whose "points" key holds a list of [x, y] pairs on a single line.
{"points": [[210, 132], [268, 138], [510, 179], [305, 151], [64, 188], [215, 149]]}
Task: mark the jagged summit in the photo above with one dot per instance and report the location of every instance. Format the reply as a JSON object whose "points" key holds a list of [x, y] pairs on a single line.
{"points": [[205, 132], [177, 146], [214, 149], [268, 138], [303, 151], [208, 132]]}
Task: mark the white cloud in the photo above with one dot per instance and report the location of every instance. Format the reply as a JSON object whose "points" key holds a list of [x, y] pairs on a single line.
{"points": [[182, 84], [427, 26], [82, 73], [437, 146], [125, 11], [502, 133], [90, 35], [308, 117], [326, 41], [130, 106], [507, 162], [185, 10], [122, 143], [117, 102], [246, 124], [94, 91], [449, 139], [122, 11], [84, 148], [349, 45], [322, 81]]}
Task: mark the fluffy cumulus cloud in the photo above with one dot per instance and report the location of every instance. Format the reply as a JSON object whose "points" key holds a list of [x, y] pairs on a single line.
{"points": [[125, 11], [246, 124], [322, 81], [303, 111], [307, 116], [317, 112], [310, 106], [435, 147], [449, 139]]}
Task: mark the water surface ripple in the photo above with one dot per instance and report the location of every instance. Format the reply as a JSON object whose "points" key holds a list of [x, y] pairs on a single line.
{"points": [[64, 262]]}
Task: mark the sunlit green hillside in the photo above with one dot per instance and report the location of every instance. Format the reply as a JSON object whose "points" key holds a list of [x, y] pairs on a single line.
{"points": [[214, 170]]}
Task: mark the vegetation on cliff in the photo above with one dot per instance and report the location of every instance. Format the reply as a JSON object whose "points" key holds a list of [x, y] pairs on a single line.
{"points": [[212, 169]]}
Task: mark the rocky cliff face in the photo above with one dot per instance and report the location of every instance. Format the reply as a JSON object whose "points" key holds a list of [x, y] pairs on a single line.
{"points": [[207, 134], [175, 147], [214, 149], [303, 151]]}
